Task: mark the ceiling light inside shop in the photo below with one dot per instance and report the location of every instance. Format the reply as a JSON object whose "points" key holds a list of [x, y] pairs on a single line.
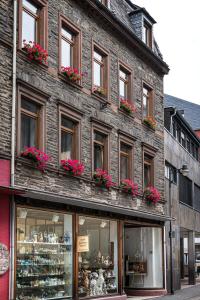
{"points": [[55, 218], [23, 213], [81, 220], [103, 224]]}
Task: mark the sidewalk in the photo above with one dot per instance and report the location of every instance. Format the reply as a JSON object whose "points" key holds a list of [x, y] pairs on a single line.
{"points": [[192, 293]]}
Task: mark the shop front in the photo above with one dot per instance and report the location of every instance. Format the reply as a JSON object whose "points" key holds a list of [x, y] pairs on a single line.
{"points": [[63, 254]]}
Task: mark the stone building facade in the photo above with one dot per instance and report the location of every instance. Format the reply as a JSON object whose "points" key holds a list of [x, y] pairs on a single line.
{"points": [[108, 28]]}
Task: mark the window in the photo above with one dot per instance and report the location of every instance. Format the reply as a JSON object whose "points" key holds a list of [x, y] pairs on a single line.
{"points": [[147, 101], [69, 134], [44, 254], [185, 190], [33, 22], [30, 120], [148, 165], [97, 247], [169, 168], [100, 146], [100, 72], [70, 44], [197, 197], [183, 143], [174, 128], [105, 2], [125, 86], [126, 158], [99, 150], [147, 34], [188, 144]]}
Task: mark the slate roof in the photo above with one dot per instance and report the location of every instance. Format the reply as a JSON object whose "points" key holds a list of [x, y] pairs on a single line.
{"points": [[191, 110]]}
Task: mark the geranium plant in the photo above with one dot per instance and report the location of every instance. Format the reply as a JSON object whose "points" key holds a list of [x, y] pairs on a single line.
{"points": [[129, 187], [103, 179], [35, 52], [73, 167], [99, 90], [150, 121], [127, 106], [151, 195], [71, 73], [37, 156]]}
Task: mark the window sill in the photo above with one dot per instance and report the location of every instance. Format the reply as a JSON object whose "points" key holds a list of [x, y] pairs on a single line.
{"points": [[73, 84], [22, 54], [131, 116], [101, 98]]}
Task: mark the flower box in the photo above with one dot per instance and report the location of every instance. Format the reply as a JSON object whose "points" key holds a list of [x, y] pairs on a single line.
{"points": [[151, 195], [73, 167], [38, 157], [99, 91], [127, 106], [103, 179], [35, 52], [72, 74], [150, 122], [129, 187]]}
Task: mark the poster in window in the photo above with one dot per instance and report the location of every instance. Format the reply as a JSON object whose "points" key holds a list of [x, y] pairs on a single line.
{"points": [[83, 243]]}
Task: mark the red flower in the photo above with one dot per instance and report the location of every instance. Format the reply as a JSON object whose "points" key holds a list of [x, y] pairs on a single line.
{"points": [[127, 106], [71, 73], [103, 179], [128, 186], [151, 195], [35, 52], [74, 167], [39, 157], [150, 121]]}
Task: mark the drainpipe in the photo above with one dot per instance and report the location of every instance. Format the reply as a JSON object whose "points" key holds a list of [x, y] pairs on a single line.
{"points": [[14, 94], [171, 121], [12, 175]]}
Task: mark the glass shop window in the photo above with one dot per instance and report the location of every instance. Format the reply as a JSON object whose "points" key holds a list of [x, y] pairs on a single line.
{"points": [[97, 257], [143, 257], [43, 255]]}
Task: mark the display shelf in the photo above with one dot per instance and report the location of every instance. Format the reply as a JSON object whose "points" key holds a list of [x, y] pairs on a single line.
{"points": [[40, 275], [41, 243], [41, 286], [35, 265]]}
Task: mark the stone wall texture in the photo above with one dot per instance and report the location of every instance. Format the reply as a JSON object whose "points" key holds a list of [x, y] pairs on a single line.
{"points": [[46, 79]]}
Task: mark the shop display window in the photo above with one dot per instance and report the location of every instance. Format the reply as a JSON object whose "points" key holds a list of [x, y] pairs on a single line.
{"points": [[44, 255], [143, 257], [97, 257]]}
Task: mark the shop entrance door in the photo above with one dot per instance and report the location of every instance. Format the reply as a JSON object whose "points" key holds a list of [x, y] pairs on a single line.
{"points": [[143, 258]]}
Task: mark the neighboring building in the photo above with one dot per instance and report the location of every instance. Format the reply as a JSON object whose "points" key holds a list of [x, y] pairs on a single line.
{"points": [[182, 192], [191, 111], [65, 234]]}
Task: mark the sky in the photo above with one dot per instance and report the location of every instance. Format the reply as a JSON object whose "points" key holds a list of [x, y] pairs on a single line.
{"points": [[177, 33]]}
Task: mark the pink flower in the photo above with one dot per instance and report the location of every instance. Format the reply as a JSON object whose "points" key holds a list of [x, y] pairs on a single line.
{"points": [[127, 106], [36, 155], [128, 186], [103, 179], [151, 195], [74, 167]]}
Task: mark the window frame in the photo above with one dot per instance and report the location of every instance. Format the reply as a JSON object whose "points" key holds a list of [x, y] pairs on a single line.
{"points": [[106, 70], [150, 152], [76, 31], [76, 118], [128, 141], [148, 33], [129, 72], [42, 30], [150, 111], [34, 96], [105, 130]]}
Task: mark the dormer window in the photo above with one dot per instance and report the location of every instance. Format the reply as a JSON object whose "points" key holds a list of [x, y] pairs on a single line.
{"points": [[105, 2], [147, 34]]}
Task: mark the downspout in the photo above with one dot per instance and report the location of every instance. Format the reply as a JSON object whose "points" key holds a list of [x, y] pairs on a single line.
{"points": [[12, 175], [171, 121], [14, 95]]}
